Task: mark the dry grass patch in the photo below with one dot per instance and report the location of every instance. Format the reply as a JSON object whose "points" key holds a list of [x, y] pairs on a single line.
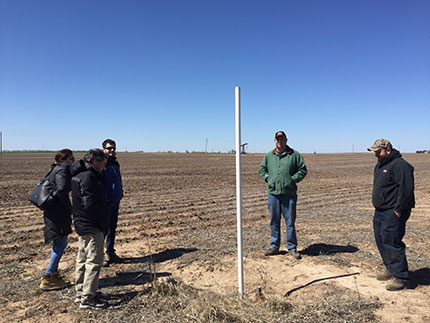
{"points": [[174, 301]]}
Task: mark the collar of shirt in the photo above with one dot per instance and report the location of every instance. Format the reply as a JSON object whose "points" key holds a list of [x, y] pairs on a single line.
{"points": [[287, 151]]}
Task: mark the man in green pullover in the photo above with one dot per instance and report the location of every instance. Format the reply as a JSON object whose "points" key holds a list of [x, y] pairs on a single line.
{"points": [[282, 168]]}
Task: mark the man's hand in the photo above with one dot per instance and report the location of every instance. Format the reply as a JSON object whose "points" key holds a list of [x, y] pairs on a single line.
{"points": [[397, 214]]}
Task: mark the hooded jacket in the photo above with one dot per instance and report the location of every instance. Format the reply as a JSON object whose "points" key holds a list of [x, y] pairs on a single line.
{"points": [[282, 171], [112, 180], [393, 184], [89, 206], [58, 217]]}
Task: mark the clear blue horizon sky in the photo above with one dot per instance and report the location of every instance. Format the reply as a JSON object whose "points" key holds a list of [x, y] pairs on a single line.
{"points": [[160, 75]]}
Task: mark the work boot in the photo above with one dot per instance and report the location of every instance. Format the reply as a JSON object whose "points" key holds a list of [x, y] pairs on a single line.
{"points": [[271, 252], [52, 282], [386, 275], [112, 258], [397, 284], [295, 254]]}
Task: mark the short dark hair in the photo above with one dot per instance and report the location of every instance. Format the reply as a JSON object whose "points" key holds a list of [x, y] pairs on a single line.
{"points": [[108, 141], [94, 155], [281, 133]]}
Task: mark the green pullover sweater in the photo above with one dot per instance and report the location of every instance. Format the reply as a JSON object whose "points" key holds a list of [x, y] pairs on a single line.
{"points": [[283, 171]]}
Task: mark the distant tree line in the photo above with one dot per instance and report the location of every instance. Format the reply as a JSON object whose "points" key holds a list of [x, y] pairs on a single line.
{"points": [[39, 151]]}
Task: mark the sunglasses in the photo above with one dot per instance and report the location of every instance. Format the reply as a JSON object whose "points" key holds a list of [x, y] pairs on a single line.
{"points": [[110, 148], [278, 138]]}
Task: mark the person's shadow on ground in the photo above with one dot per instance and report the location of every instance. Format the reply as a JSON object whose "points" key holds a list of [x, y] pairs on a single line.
{"points": [[420, 277], [119, 299], [321, 249], [142, 277], [116, 299], [165, 255], [131, 278]]}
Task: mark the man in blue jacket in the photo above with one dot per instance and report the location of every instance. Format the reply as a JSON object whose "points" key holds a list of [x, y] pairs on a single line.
{"points": [[393, 199], [113, 192]]}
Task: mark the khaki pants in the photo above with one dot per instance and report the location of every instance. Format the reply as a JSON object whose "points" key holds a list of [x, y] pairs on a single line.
{"points": [[88, 264]]}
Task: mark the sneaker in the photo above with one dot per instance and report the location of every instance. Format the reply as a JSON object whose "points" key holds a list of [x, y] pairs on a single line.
{"points": [[52, 282], [271, 252], [396, 285], [295, 254], [95, 303], [386, 275], [78, 298]]}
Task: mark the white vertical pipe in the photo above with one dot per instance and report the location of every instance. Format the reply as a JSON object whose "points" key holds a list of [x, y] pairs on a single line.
{"points": [[239, 195]]}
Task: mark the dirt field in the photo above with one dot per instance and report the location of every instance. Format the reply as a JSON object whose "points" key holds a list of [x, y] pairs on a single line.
{"points": [[178, 222]]}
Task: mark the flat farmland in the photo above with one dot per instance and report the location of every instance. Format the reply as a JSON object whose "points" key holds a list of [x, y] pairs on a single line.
{"points": [[177, 225]]}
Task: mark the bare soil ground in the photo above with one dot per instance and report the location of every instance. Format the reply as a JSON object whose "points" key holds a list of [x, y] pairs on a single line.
{"points": [[178, 223]]}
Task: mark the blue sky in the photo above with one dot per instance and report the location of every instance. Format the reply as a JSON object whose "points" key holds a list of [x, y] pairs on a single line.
{"points": [[160, 75]]}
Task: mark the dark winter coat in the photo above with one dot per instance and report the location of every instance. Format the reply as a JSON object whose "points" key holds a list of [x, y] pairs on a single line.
{"points": [[112, 180], [89, 205], [58, 217], [393, 184]]}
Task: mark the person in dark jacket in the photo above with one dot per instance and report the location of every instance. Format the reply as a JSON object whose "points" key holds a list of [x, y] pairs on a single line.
{"points": [[393, 198], [113, 192], [58, 218], [89, 215]]}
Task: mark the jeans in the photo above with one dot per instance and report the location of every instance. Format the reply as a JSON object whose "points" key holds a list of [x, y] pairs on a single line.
{"points": [[57, 251], [112, 220], [285, 204], [389, 231], [88, 264]]}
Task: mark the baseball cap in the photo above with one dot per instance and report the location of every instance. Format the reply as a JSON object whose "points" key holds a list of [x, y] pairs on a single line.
{"points": [[380, 144]]}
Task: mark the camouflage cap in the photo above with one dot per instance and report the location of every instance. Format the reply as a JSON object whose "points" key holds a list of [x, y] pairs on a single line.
{"points": [[380, 144]]}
